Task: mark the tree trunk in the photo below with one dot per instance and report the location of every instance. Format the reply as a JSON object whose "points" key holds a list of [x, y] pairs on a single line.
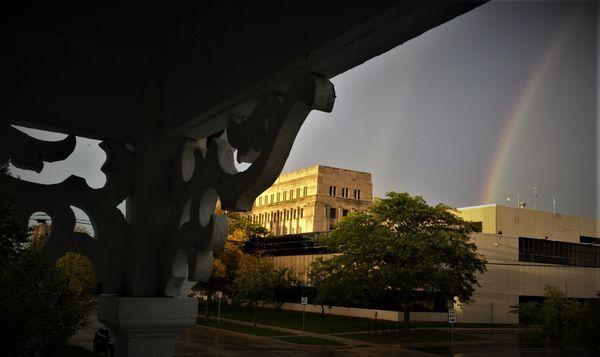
{"points": [[406, 320], [207, 313], [255, 317], [322, 311]]}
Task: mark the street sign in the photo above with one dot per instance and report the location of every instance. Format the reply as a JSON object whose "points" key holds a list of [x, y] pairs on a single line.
{"points": [[219, 294], [451, 316], [304, 301]]}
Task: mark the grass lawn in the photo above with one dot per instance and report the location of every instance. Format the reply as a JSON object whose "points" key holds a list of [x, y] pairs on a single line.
{"points": [[266, 332], [293, 320], [418, 336], [314, 321], [251, 330], [309, 340]]}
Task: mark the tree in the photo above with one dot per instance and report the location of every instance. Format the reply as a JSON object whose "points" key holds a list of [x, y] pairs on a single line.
{"points": [[241, 228], [398, 251], [13, 234], [559, 317], [588, 328], [77, 268], [39, 310], [255, 282], [285, 282], [326, 286]]}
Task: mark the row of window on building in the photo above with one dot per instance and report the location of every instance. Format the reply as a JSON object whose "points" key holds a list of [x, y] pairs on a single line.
{"points": [[345, 192], [281, 196], [563, 253], [277, 216]]}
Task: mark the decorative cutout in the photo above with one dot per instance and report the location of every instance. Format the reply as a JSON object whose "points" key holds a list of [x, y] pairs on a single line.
{"points": [[202, 171], [264, 139], [108, 250]]}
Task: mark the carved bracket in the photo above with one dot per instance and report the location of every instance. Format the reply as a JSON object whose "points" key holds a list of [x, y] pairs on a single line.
{"points": [[204, 171]]}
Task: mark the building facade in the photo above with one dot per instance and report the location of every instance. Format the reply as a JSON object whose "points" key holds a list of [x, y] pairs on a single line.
{"points": [[311, 199], [525, 251]]}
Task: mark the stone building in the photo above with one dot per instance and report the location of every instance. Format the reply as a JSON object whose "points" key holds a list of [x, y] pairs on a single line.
{"points": [[311, 199]]}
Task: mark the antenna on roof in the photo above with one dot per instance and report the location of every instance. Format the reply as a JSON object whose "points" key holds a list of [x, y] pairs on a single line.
{"points": [[535, 191], [554, 205], [508, 201]]}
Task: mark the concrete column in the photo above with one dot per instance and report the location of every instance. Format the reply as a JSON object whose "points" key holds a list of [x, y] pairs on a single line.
{"points": [[146, 326]]}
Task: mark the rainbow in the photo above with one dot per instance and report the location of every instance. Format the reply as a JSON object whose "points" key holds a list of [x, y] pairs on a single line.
{"points": [[518, 114]]}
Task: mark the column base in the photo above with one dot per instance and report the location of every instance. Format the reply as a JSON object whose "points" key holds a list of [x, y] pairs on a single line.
{"points": [[146, 326]]}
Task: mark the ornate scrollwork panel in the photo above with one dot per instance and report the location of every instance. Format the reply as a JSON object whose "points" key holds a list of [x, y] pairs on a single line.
{"points": [[108, 249], [204, 171]]}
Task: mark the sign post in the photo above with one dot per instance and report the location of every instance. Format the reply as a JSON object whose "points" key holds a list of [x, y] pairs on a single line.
{"points": [[219, 296], [452, 321], [205, 298], [304, 302]]}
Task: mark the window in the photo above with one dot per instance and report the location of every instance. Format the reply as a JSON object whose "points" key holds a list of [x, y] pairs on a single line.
{"points": [[298, 192], [344, 192], [330, 190], [477, 226], [355, 191], [301, 212], [291, 194], [305, 191], [260, 201], [334, 190], [358, 195], [344, 213], [563, 253], [589, 240], [285, 195], [272, 198], [332, 213], [278, 197]]}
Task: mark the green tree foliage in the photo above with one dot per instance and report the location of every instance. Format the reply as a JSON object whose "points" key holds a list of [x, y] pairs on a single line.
{"points": [[285, 284], [326, 288], [400, 246], [255, 282], [39, 310], [13, 234], [562, 320], [241, 228], [79, 272], [588, 327]]}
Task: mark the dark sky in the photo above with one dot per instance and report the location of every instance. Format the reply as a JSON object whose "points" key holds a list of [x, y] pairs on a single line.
{"points": [[488, 105]]}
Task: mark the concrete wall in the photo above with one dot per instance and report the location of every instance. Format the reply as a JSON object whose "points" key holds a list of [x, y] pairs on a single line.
{"points": [[370, 313], [512, 221], [300, 263], [506, 278]]}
